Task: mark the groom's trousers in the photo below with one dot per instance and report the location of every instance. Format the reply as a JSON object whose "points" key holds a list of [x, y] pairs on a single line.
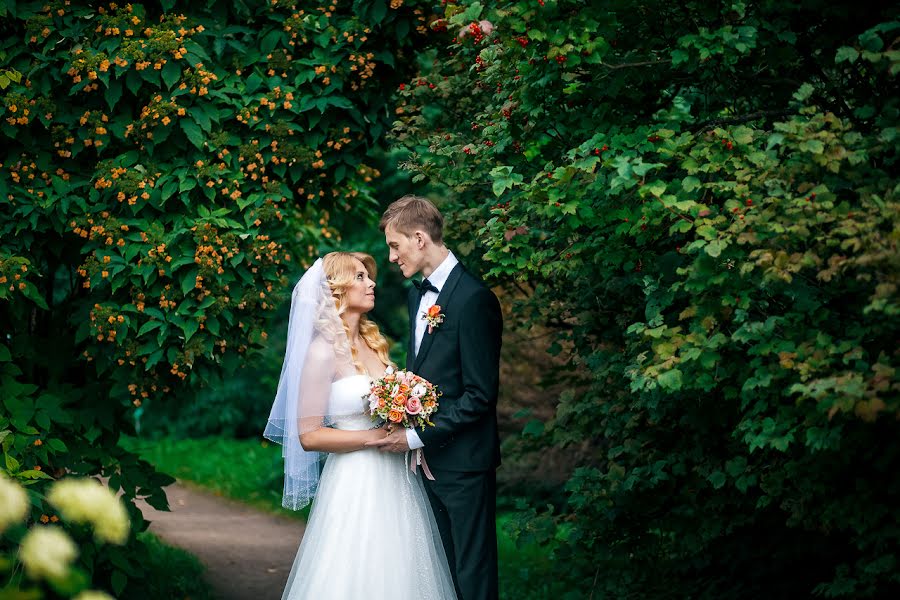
{"points": [[465, 508]]}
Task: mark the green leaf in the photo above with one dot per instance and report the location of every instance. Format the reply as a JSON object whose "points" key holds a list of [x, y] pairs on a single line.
{"points": [[190, 328], [690, 183], [715, 247], [188, 281], [119, 580], [846, 54], [57, 445], [717, 479], [670, 380], [804, 92], [112, 94], [148, 327], [12, 465], [534, 428], [813, 146], [193, 132], [171, 73], [201, 117], [473, 12], [33, 474]]}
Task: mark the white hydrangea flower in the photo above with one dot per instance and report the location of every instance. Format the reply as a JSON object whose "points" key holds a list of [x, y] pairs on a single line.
{"points": [[13, 502], [86, 501], [93, 595], [46, 551]]}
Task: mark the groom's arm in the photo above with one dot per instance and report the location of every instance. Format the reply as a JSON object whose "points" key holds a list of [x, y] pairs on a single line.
{"points": [[480, 329]]}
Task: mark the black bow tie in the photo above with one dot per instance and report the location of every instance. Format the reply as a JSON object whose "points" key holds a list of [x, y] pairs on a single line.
{"points": [[425, 286]]}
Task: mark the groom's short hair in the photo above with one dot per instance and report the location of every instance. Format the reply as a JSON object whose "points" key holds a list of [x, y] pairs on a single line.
{"points": [[411, 213]]}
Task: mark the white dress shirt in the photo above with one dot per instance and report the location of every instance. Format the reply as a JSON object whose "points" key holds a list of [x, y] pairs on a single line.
{"points": [[438, 278]]}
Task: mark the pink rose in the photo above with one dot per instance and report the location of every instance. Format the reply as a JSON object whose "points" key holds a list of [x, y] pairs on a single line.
{"points": [[413, 406]]}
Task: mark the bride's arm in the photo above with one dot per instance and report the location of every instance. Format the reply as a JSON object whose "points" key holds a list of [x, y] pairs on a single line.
{"points": [[326, 439], [312, 413]]}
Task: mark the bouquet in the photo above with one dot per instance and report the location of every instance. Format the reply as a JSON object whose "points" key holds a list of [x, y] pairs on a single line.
{"points": [[403, 398]]}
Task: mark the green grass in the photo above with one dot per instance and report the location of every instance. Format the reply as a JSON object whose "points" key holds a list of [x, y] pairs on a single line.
{"points": [[250, 471], [170, 573]]}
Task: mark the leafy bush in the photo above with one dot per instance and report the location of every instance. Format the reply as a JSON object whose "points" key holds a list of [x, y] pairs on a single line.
{"points": [[701, 199], [166, 170]]}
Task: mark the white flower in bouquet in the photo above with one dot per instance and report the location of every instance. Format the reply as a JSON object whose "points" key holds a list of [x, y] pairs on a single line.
{"points": [[13, 502], [418, 391], [86, 501], [46, 551]]}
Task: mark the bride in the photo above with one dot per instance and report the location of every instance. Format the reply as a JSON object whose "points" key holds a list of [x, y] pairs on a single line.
{"points": [[371, 533]]}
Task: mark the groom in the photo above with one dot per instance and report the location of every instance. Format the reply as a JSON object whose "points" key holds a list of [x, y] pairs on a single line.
{"points": [[461, 356]]}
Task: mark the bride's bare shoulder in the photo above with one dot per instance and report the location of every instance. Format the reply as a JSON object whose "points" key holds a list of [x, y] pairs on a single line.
{"points": [[320, 351]]}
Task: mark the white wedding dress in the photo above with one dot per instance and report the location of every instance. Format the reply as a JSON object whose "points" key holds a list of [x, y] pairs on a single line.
{"points": [[371, 534]]}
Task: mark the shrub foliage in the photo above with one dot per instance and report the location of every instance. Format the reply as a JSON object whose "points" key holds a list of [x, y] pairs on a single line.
{"points": [[700, 198], [166, 170]]}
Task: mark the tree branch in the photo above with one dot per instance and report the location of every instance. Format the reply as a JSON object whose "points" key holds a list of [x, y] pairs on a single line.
{"points": [[645, 63], [743, 118]]}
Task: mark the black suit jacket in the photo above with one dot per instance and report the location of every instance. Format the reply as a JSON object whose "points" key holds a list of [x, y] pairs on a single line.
{"points": [[462, 357]]}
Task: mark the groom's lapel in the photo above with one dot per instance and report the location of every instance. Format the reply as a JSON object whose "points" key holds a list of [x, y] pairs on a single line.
{"points": [[442, 299]]}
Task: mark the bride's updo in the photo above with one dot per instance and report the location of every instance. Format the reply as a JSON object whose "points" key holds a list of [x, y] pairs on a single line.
{"points": [[340, 270]]}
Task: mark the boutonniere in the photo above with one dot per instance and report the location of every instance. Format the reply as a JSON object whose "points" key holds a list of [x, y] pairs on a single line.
{"points": [[433, 316]]}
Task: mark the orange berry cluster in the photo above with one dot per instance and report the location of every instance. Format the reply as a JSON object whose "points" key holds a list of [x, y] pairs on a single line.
{"points": [[25, 172], [198, 79], [20, 109], [106, 324], [210, 254], [129, 184], [93, 124], [13, 270], [109, 231], [157, 112]]}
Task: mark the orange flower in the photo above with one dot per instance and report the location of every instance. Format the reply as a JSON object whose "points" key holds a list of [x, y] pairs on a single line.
{"points": [[395, 416], [400, 400], [434, 311]]}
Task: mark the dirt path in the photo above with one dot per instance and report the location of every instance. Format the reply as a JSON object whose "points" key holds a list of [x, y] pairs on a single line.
{"points": [[247, 553]]}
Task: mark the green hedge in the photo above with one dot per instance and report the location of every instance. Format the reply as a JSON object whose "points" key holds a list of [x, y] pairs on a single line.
{"points": [[700, 200], [167, 169]]}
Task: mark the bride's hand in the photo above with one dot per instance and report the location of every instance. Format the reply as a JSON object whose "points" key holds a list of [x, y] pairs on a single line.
{"points": [[379, 433]]}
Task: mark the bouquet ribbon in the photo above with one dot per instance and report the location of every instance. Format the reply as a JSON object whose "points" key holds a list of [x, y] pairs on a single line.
{"points": [[418, 458]]}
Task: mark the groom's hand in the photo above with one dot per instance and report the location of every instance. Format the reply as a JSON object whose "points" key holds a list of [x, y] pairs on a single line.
{"points": [[394, 442]]}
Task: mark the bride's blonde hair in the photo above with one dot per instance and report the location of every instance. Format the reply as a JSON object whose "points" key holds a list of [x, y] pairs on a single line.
{"points": [[340, 270]]}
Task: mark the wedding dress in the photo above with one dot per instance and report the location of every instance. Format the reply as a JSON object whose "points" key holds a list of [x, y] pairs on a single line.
{"points": [[371, 534]]}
